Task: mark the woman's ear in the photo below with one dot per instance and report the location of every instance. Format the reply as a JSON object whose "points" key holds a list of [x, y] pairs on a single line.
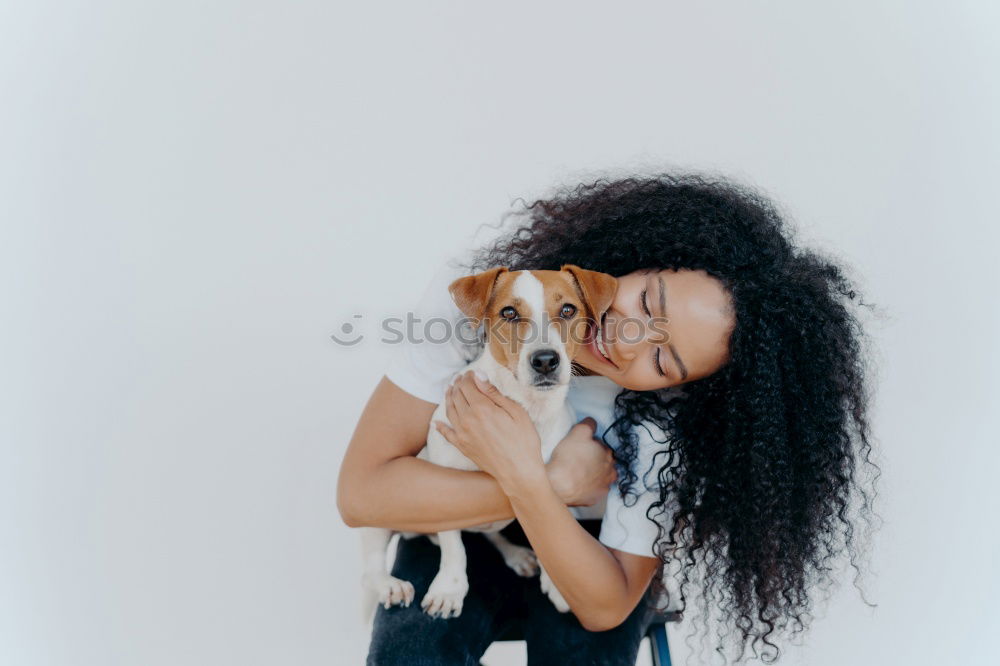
{"points": [[596, 289], [472, 294]]}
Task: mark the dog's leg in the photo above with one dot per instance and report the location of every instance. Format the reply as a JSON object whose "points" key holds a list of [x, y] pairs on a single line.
{"points": [[522, 560], [549, 588], [380, 586], [447, 592]]}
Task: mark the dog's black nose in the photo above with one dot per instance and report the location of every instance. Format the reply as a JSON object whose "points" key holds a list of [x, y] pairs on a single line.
{"points": [[545, 362]]}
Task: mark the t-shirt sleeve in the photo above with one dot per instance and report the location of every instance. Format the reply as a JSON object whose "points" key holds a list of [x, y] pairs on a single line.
{"points": [[625, 526], [434, 346]]}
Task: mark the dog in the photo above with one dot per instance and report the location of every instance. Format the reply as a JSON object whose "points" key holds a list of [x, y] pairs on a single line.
{"points": [[534, 323]]}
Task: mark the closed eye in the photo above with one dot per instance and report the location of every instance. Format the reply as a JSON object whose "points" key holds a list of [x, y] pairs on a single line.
{"points": [[656, 352]]}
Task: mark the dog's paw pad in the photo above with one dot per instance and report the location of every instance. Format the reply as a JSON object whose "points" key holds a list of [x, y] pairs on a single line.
{"points": [[522, 560], [391, 591], [445, 596]]}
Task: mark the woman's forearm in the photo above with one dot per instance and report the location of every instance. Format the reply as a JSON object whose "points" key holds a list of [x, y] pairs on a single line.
{"points": [[413, 495], [599, 590]]}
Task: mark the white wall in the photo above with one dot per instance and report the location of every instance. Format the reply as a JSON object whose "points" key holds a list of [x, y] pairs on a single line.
{"points": [[195, 195]]}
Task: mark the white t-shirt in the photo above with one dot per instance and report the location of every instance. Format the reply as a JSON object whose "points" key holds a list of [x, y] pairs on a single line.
{"points": [[424, 364]]}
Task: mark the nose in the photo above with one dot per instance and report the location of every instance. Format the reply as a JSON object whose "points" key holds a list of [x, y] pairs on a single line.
{"points": [[545, 361]]}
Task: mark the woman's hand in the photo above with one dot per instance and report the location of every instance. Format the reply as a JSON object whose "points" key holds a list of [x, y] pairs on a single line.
{"points": [[494, 432], [582, 468]]}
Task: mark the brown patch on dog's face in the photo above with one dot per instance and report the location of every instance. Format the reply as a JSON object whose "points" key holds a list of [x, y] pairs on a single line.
{"points": [[508, 320], [488, 298]]}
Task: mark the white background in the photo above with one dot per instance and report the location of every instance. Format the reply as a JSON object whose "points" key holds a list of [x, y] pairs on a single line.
{"points": [[195, 195]]}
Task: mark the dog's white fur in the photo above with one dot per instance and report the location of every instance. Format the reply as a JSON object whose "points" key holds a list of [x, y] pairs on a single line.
{"points": [[552, 417]]}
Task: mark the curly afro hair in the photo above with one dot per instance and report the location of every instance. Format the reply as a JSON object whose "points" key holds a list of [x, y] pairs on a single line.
{"points": [[760, 466]]}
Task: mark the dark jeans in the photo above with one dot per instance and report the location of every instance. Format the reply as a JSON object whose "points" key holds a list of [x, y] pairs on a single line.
{"points": [[499, 602]]}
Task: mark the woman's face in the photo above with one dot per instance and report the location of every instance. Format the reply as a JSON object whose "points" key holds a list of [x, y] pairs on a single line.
{"points": [[663, 328]]}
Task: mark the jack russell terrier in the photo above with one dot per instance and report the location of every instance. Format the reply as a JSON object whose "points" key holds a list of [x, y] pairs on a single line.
{"points": [[535, 322]]}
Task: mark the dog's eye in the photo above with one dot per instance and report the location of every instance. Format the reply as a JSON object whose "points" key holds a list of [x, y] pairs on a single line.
{"points": [[509, 313], [568, 310]]}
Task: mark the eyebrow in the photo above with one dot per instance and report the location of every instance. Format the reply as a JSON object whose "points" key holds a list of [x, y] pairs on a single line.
{"points": [[663, 313]]}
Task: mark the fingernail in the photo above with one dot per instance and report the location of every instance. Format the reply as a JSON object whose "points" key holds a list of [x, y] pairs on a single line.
{"points": [[480, 375]]}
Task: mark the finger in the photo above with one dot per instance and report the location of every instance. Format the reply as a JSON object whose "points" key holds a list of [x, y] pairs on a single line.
{"points": [[493, 394], [471, 388], [447, 432], [449, 406], [457, 396], [465, 385], [486, 388], [589, 423]]}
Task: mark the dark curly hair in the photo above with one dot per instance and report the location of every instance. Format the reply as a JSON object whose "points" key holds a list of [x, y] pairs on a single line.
{"points": [[760, 469]]}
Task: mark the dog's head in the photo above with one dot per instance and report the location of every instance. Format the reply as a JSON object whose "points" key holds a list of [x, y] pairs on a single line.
{"points": [[535, 321]]}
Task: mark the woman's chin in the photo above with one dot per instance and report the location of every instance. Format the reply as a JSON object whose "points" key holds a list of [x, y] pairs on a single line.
{"points": [[591, 365]]}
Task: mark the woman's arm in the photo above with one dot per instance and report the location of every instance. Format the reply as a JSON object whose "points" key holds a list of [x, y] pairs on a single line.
{"points": [[382, 484], [601, 585]]}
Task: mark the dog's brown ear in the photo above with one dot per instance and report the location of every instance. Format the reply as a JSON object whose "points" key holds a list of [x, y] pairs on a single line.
{"points": [[472, 294], [597, 289]]}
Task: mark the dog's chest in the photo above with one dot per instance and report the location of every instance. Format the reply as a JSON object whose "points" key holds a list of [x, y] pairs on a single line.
{"points": [[551, 421]]}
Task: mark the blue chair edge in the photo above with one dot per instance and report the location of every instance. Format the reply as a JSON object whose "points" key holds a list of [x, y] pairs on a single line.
{"points": [[657, 634]]}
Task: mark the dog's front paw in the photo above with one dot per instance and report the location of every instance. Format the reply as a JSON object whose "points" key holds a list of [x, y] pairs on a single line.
{"points": [[389, 590], [556, 597], [446, 594], [522, 560]]}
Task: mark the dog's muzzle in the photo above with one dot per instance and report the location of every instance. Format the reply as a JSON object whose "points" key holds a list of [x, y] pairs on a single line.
{"points": [[545, 364]]}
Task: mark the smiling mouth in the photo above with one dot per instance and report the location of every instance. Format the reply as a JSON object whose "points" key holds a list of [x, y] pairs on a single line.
{"points": [[599, 344]]}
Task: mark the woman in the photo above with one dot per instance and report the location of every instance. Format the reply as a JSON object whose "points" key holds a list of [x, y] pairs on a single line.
{"points": [[737, 436]]}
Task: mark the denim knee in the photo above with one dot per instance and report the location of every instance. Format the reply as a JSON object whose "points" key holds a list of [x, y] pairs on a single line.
{"points": [[409, 637]]}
